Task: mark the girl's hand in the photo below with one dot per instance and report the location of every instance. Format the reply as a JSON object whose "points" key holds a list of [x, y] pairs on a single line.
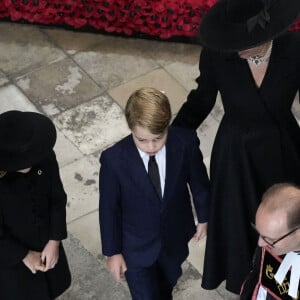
{"points": [[50, 255], [33, 261]]}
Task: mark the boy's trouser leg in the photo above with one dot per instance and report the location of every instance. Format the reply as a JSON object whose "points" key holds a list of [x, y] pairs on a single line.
{"points": [[155, 282], [168, 272], [142, 283]]}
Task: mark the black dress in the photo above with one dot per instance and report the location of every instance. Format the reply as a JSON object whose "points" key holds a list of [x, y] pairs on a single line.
{"points": [[32, 211], [257, 145]]}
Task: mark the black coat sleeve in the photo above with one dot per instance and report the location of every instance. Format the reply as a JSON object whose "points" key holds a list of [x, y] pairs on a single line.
{"points": [[58, 226], [201, 100], [11, 251]]}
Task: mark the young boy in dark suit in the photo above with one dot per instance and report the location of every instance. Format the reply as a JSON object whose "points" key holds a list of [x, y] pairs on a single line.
{"points": [[145, 210]]}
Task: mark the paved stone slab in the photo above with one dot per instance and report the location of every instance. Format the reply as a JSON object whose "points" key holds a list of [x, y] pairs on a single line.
{"points": [[90, 278], [73, 41], [218, 110], [66, 151], [159, 79], [3, 79], [196, 256], [58, 87], [80, 180], [25, 47], [169, 52], [226, 295], [189, 286], [87, 230], [12, 98], [185, 74], [115, 62], [94, 125], [206, 133]]}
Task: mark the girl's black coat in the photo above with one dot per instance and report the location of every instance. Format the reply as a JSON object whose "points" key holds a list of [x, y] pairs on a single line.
{"points": [[257, 145], [32, 212]]}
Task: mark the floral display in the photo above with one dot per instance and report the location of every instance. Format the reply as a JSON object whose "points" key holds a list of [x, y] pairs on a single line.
{"points": [[163, 19]]}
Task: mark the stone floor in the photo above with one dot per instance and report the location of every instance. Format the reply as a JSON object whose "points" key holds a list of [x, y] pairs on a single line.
{"points": [[81, 81]]}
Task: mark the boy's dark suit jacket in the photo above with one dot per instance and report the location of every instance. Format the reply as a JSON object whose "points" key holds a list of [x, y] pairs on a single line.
{"points": [[133, 220]]}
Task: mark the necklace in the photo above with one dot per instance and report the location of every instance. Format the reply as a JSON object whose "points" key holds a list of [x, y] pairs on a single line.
{"points": [[2, 173], [256, 60]]}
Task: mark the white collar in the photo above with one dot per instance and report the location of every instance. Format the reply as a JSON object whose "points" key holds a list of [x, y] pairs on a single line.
{"points": [[145, 155]]}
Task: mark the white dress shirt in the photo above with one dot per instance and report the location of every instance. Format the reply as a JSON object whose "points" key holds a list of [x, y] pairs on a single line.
{"points": [[160, 158]]}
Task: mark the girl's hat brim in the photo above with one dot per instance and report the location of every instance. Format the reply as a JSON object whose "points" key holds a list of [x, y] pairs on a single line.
{"points": [[26, 138]]}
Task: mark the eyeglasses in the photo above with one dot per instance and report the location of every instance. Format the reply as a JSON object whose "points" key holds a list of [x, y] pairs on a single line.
{"points": [[271, 244]]}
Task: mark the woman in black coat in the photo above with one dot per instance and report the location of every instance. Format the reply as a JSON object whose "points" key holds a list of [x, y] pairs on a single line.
{"points": [[257, 72], [33, 264]]}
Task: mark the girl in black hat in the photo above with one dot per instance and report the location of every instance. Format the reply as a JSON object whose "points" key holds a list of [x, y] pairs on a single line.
{"points": [[251, 59], [33, 264]]}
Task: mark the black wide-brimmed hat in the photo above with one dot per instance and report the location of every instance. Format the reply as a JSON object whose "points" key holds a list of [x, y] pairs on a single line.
{"points": [[234, 25], [25, 139]]}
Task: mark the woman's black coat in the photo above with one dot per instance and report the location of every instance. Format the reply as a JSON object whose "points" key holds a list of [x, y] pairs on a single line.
{"points": [[257, 145], [32, 212]]}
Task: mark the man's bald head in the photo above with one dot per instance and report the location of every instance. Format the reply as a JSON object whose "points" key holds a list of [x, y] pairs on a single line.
{"points": [[285, 198]]}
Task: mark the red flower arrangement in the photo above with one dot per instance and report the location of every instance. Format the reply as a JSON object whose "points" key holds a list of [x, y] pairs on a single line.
{"points": [[164, 19]]}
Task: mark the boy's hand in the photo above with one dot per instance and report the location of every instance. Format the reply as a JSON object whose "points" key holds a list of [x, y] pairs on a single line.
{"points": [[49, 255], [201, 231], [33, 261], [117, 266]]}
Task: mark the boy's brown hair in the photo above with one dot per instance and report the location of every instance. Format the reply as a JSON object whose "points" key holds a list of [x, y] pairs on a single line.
{"points": [[149, 108]]}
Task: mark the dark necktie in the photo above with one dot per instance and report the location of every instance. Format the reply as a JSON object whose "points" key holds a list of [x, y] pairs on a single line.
{"points": [[154, 175]]}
